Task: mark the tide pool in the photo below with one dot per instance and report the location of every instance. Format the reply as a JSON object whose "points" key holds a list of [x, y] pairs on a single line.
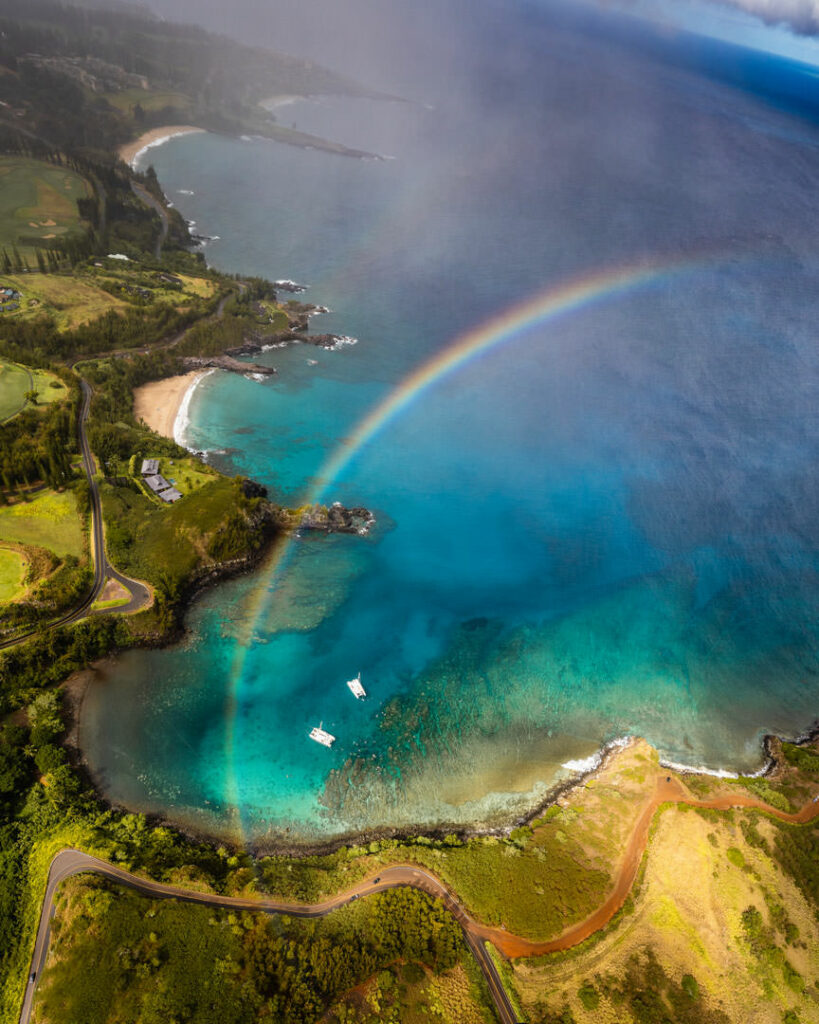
{"points": [[604, 524]]}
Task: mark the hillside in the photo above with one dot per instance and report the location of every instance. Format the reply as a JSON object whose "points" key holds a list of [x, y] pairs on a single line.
{"points": [[91, 79]]}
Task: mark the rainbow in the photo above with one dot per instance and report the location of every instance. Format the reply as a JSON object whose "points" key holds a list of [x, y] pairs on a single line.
{"points": [[543, 308], [558, 301]]}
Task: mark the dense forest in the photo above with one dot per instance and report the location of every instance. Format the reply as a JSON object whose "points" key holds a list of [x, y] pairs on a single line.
{"points": [[196, 964], [37, 445]]}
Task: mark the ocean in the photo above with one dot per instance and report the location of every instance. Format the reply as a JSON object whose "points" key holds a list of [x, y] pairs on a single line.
{"points": [[597, 517]]}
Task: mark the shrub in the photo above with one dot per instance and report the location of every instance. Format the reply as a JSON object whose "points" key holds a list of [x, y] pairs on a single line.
{"points": [[588, 996]]}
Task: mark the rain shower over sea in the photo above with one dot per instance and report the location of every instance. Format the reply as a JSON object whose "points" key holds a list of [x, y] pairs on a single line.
{"points": [[582, 408]]}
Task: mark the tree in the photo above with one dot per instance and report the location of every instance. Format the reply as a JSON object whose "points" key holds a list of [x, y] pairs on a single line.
{"points": [[32, 395]]}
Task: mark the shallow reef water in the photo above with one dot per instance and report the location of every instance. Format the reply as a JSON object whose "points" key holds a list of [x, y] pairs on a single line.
{"points": [[607, 523]]}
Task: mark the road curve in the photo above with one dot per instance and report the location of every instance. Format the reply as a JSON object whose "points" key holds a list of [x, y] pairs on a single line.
{"points": [[140, 594], [668, 789], [73, 862]]}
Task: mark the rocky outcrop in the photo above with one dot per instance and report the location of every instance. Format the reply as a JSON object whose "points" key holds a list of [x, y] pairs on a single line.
{"points": [[333, 519], [227, 362]]}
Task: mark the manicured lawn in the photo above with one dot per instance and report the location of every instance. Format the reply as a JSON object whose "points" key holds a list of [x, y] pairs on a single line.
{"points": [[12, 570], [48, 387], [186, 475], [38, 202], [48, 520], [16, 380]]}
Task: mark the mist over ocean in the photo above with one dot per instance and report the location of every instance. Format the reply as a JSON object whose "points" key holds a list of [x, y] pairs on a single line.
{"points": [[607, 524]]}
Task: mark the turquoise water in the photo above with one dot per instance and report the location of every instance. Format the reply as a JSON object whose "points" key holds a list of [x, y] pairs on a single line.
{"points": [[605, 525]]}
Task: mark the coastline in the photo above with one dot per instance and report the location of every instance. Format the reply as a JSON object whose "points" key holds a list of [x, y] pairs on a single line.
{"points": [[163, 404], [132, 151], [171, 422], [279, 846]]}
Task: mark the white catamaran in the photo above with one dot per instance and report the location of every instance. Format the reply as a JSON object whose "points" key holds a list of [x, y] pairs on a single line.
{"points": [[322, 736], [356, 687]]}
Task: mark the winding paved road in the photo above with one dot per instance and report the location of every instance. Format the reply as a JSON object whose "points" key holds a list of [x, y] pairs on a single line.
{"points": [[667, 789], [73, 862], [140, 594]]}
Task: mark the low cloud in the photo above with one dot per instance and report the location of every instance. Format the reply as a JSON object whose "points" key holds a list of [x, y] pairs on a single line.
{"points": [[801, 16]]}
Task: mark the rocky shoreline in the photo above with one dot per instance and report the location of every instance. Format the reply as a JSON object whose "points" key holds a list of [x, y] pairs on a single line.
{"points": [[317, 848], [229, 363], [333, 519]]}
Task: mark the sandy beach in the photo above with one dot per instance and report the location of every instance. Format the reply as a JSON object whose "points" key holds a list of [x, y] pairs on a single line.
{"points": [[155, 137], [159, 402]]}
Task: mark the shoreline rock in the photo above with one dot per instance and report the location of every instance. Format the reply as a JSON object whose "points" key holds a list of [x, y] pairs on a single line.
{"points": [[227, 362], [282, 847], [333, 519]]}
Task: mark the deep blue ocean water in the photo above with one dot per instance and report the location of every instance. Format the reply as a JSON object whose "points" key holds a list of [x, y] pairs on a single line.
{"points": [[605, 525]]}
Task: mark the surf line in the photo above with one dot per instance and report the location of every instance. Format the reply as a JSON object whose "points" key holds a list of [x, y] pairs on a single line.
{"points": [[571, 296]]}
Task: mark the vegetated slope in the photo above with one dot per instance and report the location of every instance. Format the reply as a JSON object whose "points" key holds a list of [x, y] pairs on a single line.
{"points": [[119, 955], [723, 927], [64, 67]]}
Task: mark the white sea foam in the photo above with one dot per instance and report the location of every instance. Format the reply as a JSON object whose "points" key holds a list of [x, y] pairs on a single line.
{"points": [[255, 376], [585, 764], [717, 773], [182, 421], [160, 142], [186, 192], [286, 283], [588, 764], [341, 342]]}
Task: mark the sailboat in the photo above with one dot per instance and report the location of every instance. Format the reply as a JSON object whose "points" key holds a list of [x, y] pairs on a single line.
{"points": [[322, 736], [356, 688]]}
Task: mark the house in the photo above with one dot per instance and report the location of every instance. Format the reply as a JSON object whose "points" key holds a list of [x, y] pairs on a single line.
{"points": [[170, 495], [150, 467], [157, 483]]}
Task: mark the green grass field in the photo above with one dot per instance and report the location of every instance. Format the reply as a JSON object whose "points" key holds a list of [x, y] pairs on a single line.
{"points": [[70, 300], [187, 475], [12, 573], [149, 100], [48, 520], [38, 201], [82, 296], [16, 380]]}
